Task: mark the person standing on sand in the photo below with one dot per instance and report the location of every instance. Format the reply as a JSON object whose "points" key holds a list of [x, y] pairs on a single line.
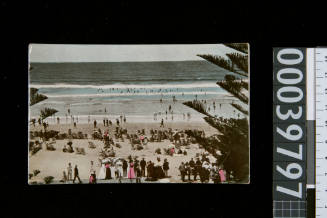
{"points": [[188, 170], [76, 175], [88, 119], [104, 122], [58, 120], [131, 173], [69, 171], [102, 172], [148, 170], [182, 171], [92, 174], [162, 123], [143, 164], [165, 167], [64, 177], [222, 174], [198, 166], [125, 165], [108, 171], [119, 165], [95, 123]]}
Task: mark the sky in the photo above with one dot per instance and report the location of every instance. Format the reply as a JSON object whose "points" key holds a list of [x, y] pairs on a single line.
{"points": [[122, 53]]}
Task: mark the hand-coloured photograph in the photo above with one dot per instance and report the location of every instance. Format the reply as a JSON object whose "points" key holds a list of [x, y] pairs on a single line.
{"points": [[139, 114]]}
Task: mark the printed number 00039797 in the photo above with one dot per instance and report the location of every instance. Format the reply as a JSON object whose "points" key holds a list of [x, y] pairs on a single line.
{"points": [[293, 132]]}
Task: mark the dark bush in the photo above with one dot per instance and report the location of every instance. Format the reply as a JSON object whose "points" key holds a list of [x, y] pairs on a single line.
{"points": [[158, 151], [35, 172], [48, 179]]}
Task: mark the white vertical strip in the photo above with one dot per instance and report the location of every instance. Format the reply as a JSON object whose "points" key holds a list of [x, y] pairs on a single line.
{"points": [[321, 136], [310, 84]]}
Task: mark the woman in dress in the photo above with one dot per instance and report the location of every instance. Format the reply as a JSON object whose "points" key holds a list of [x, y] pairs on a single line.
{"points": [[102, 172], [222, 174], [108, 171], [131, 173]]}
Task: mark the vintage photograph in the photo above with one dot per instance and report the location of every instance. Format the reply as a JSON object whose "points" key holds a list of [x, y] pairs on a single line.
{"points": [[176, 113]]}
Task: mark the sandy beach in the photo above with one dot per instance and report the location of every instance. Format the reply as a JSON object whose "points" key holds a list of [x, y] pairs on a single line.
{"points": [[53, 163]]}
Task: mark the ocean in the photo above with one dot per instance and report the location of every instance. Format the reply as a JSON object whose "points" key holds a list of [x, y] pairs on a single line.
{"points": [[130, 88]]}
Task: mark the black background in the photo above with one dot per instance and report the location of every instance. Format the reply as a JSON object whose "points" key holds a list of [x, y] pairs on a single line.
{"points": [[264, 25]]}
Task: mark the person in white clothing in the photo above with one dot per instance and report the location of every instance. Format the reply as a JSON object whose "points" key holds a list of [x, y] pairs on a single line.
{"points": [[102, 172]]}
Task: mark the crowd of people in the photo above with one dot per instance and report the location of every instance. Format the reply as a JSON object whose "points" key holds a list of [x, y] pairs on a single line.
{"points": [[133, 169], [205, 170]]}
